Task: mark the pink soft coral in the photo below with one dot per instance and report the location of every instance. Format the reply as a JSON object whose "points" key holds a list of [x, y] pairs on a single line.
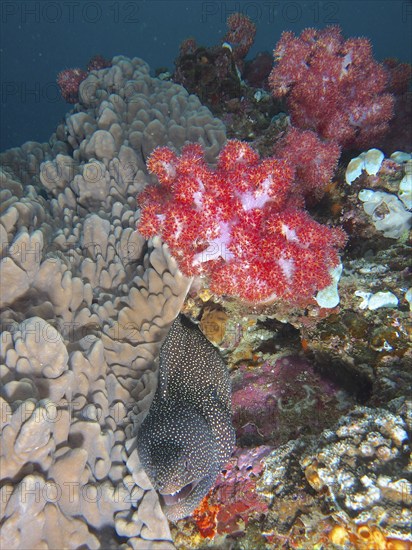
{"points": [[238, 224], [314, 160], [333, 86], [241, 34]]}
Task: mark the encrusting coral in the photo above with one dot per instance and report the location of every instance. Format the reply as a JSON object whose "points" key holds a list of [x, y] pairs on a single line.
{"points": [[86, 303]]}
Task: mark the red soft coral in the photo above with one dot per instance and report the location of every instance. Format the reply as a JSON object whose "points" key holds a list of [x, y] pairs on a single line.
{"points": [[241, 34], [239, 224], [69, 82], [333, 86], [315, 160]]}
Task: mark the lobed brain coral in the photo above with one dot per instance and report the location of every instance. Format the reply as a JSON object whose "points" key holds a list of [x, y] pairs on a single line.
{"points": [[85, 305]]}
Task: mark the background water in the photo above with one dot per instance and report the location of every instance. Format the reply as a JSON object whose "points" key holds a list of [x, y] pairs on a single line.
{"points": [[40, 38]]}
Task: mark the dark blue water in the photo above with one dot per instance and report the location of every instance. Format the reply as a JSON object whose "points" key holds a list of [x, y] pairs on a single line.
{"points": [[40, 38]]}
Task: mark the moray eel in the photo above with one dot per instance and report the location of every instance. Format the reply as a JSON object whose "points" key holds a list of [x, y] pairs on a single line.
{"points": [[187, 435]]}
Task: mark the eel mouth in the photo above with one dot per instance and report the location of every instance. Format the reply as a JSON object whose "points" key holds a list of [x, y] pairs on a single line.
{"points": [[174, 498]]}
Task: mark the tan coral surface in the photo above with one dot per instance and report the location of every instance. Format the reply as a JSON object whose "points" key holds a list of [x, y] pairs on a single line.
{"points": [[85, 305]]}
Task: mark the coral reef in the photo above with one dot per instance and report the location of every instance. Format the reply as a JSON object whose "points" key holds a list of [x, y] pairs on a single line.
{"points": [[360, 353], [213, 73], [210, 73], [273, 403], [374, 176], [359, 470], [257, 70], [86, 303], [364, 465], [218, 75], [320, 374], [347, 487]]}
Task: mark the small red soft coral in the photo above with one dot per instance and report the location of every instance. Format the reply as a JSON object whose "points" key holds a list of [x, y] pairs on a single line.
{"points": [[240, 224], [240, 35], [98, 62], [69, 81]]}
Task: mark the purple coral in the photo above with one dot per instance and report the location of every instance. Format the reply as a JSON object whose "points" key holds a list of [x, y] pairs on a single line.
{"points": [[278, 401]]}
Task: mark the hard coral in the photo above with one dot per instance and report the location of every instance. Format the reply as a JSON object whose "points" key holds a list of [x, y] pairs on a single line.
{"points": [[238, 224], [80, 291], [361, 467], [333, 86]]}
